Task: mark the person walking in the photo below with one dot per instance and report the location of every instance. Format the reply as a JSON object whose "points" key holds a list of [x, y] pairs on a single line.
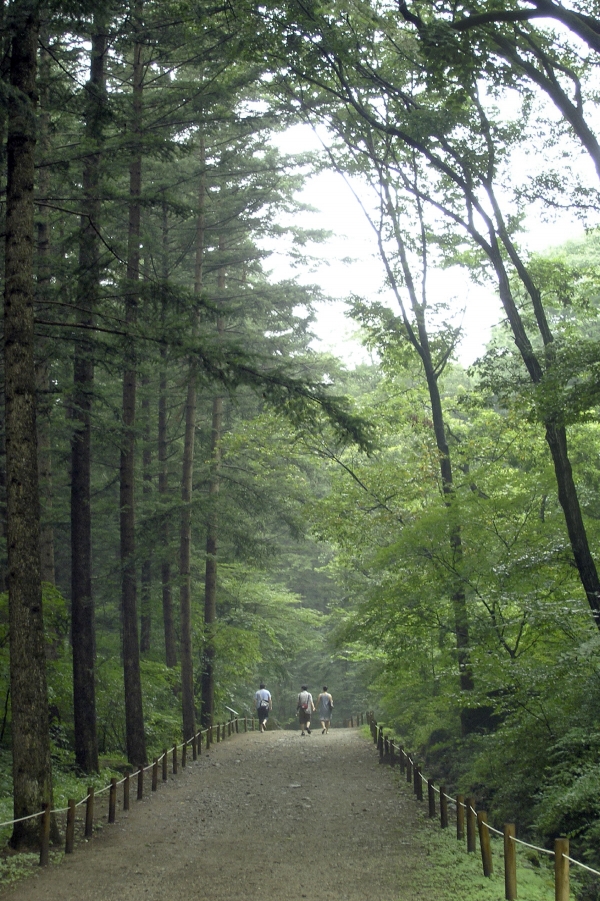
{"points": [[264, 703], [325, 707], [305, 707]]}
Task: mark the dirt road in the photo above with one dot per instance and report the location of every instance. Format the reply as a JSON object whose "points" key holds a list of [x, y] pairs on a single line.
{"points": [[262, 816]]}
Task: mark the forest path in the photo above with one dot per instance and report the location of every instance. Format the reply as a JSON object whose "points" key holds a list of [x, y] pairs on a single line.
{"points": [[267, 816]]}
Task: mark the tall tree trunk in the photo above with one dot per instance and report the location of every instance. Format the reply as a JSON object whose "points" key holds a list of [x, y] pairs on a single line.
{"points": [[210, 569], [42, 366], [163, 466], [32, 771], [555, 431], [419, 338], [185, 610], [134, 717], [3, 528], [146, 572], [556, 438], [210, 573], [185, 546], [83, 628]]}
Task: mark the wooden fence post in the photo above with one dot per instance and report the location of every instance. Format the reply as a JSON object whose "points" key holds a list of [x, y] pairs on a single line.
{"points": [[45, 836], [561, 869], [443, 807], [194, 748], [155, 774], [218, 732], [471, 823], [70, 830], [112, 801], [199, 743], [418, 784], [431, 798], [510, 862], [126, 785], [89, 812], [165, 760], [409, 775], [174, 758], [184, 755], [392, 753], [402, 756], [485, 843], [460, 817]]}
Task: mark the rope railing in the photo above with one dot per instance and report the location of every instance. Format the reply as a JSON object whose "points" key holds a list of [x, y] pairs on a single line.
{"points": [[216, 732], [470, 822]]}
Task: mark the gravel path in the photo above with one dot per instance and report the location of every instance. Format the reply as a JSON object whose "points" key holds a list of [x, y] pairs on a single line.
{"points": [[268, 816]]}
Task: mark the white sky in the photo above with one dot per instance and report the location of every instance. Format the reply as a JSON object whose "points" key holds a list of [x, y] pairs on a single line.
{"points": [[337, 210]]}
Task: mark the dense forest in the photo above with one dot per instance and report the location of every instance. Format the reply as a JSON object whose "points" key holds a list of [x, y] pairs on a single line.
{"points": [[194, 497]]}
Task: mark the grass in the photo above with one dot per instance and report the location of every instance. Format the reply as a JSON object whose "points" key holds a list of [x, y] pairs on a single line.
{"points": [[451, 872]]}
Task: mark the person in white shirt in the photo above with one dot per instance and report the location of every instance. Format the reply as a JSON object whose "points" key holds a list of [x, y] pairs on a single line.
{"points": [[264, 703], [305, 707]]}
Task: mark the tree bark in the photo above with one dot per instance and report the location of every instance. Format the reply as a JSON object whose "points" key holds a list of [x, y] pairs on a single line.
{"points": [[419, 338], [163, 468], [134, 717], [210, 575], [32, 771], [185, 610], [210, 572], [83, 628], [43, 350], [146, 572], [185, 589]]}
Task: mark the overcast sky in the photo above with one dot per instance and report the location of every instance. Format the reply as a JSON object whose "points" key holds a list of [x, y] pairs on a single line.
{"points": [[337, 210]]}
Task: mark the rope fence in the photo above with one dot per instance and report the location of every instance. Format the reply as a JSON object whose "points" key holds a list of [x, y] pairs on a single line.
{"points": [[178, 755], [471, 823]]}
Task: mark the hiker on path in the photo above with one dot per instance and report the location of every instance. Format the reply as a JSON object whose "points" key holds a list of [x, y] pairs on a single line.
{"points": [[325, 707], [305, 707], [264, 703]]}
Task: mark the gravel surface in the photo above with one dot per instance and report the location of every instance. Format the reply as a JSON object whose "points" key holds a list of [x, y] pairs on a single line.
{"points": [[262, 816]]}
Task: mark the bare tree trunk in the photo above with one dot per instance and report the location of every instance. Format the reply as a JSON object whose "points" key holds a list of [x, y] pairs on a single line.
{"points": [[83, 627], [210, 574], [185, 590], [146, 572], [42, 365], [419, 338], [32, 770], [210, 570], [556, 435], [163, 468], [134, 717], [187, 671]]}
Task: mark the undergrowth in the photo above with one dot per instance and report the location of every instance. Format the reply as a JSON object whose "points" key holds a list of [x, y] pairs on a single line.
{"points": [[451, 872]]}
